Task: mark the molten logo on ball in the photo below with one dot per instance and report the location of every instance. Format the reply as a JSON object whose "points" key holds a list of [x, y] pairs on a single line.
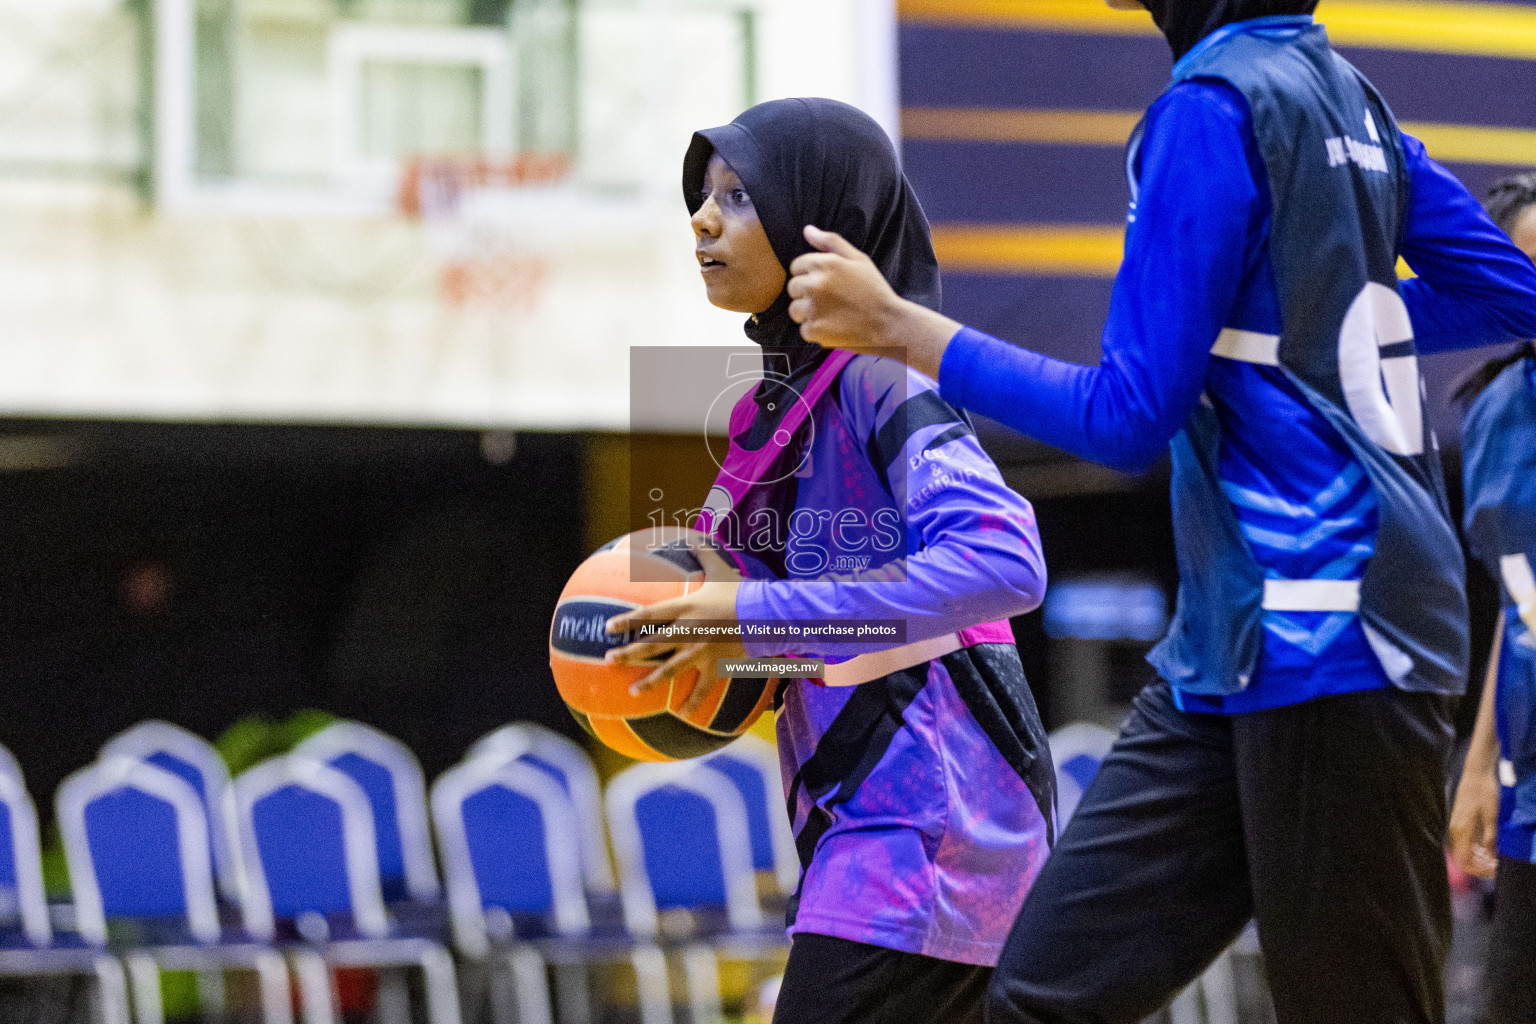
{"points": [[642, 568]]}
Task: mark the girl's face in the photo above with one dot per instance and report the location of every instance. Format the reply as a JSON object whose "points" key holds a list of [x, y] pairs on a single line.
{"points": [[1524, 231], [741, 272]]}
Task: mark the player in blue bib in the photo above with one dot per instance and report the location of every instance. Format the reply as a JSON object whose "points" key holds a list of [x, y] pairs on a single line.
{"points": [[1493, 822], [1289, 764]]}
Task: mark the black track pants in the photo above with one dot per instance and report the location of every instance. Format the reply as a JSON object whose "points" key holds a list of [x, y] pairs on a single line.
{"points": [[1512, 945], [836, 981], [1325, 821]]}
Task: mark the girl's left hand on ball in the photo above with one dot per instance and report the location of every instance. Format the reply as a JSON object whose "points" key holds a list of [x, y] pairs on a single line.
{"points": [[713, 601]]}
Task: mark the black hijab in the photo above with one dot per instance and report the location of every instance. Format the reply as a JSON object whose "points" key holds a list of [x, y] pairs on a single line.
{"points": [[821, 162], [1186, 22]]}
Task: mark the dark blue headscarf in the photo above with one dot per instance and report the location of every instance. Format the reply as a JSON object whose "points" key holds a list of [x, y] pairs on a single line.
{"points": [[1186, 22], [821, 162]]}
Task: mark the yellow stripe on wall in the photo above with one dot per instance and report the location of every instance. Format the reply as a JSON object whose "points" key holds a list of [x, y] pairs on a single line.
{"points": [[1430, 26], [1090, 16], [970, 124], [1475, 144], [1067, 250], [1484, 30], [1051, 250], [1457, 143]]}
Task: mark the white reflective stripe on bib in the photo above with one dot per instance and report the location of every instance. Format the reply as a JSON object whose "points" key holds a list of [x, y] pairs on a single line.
{"points": [[1248, 347], [867, 667], [1516, 570], [1311, 595], [1506, 772]]}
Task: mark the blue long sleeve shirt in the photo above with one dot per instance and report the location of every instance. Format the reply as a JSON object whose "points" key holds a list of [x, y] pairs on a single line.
{"points": [[1198, 232], [1196, 262]]}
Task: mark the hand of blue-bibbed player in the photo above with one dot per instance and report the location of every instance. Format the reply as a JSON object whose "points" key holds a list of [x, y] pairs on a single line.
{"points": [[841, 300]]}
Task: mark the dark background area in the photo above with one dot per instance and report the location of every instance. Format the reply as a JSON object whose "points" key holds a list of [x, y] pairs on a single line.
{"points": [[201, 574]]}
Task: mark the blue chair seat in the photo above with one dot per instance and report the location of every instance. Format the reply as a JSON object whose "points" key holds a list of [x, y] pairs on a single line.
{"points": [[311, 850], [421, 919], [12, 937], [136, 836]]}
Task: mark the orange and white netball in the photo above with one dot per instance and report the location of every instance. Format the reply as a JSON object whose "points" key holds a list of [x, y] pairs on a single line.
{"points": [[638, 569]]}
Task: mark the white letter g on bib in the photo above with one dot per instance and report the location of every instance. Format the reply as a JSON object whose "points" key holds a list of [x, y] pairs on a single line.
{"points": [[1380, 372]]}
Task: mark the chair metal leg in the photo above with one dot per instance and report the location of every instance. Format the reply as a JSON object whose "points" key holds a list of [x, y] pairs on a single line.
{"points": [[442, 987], [212, 992], [530, 987], [501, 989], [276, 997], [111, 991], [573, 993], [702, 969], [1185, 1008], [394, 998], [144, 974], [1219, 987], [655, 995], [315, 992]]}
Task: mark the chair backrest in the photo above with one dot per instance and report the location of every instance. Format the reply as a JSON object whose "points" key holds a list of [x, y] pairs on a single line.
{"points": [[8, 765], [508, 838], [572, 768], [196, 760], [681, 836], [21, 868], [308, 844], [136, 840], [391, 777], [752, 765], [1077, 751]]}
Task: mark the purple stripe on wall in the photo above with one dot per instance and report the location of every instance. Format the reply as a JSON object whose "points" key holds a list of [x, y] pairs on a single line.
{"points": [[1028, 183], [1059, 316], [1009, 183], [1452, 89], [955, 67], [966, 67], [1479, 177]]}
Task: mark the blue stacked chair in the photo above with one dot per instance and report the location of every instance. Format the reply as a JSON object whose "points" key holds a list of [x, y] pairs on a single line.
{"points": [[21, 877], [683, 839], [507, 833], [752, 765], [195, 760], [570, 766], [311, 856], [28, 946], [8, 765], [136, 838], [391, 777]]}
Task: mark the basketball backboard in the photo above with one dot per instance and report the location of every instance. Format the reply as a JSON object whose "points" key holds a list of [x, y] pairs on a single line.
{"points": [[451, 212], [314, 106]]}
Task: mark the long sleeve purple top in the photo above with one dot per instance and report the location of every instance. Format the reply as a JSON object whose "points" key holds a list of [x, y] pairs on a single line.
{"points": [[970, 552]]}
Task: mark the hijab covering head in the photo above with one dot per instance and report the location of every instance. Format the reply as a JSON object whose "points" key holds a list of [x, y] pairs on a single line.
{"points": [[1186, 22], [821, 162]]}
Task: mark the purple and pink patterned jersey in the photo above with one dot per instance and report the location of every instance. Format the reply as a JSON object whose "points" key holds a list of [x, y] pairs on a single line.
{"points": [[921, 801]]}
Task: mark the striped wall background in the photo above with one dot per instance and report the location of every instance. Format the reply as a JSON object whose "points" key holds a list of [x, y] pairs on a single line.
{"points": [[1015, 115]]}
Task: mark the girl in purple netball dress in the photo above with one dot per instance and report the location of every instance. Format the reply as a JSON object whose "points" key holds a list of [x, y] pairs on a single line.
{"points": [[917, 774]]}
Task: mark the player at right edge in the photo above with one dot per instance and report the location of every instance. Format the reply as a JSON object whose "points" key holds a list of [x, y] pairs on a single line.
{"points": [[1493, 823], [1289, 764]]}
